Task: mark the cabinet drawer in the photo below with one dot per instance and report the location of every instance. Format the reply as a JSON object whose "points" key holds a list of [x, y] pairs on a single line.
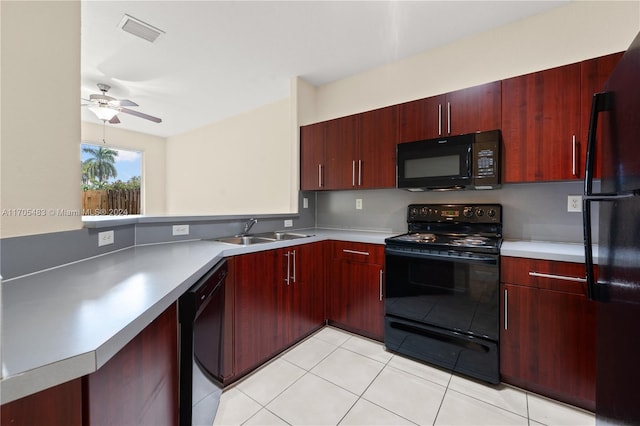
{"points": [[544, 274], [358, 252]]}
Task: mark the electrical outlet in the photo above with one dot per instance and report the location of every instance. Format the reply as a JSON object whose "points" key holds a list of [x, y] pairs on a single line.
{"points": [[180, 230], [105, 238], [574, 203], [305, 203], [358, 203], [288, 223]]}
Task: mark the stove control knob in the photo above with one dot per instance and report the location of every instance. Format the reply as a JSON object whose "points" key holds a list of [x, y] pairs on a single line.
{"points": [[413, 212], [425, 211], [479, 212], [467, 212], [491, 213]]}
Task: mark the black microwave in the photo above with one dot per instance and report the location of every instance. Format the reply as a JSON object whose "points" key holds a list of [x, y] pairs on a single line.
{"points": [[470, 161]]}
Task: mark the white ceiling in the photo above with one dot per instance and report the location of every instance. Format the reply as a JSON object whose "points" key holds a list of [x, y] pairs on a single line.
{"points": [[221, 58]]}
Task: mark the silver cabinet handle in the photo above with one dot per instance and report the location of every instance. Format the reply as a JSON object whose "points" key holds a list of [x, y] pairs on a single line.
{"points": [[286, 280], [293, 277], [448, 118], [573, 158], [319, 175], [439, 119], [363, 253], [359, 172], [506, 309], [381, 284], [557, 277]]}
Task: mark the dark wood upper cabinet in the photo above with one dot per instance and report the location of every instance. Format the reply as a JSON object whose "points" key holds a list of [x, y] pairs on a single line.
{"points": [[312, 157], [376, 159], [341, 151], [352, 152], [541, 125], [593, 74], [463, 111]]}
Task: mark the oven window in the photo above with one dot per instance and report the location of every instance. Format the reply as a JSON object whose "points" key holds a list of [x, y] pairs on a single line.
{"points": [[454, 295], [447, 165]]}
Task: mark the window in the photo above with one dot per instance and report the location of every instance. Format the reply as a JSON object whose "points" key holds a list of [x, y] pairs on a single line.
{"points": [[111, 181]]}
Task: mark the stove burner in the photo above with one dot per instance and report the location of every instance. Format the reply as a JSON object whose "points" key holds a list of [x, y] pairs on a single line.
{"points": [[424, 238], [470, 241]]}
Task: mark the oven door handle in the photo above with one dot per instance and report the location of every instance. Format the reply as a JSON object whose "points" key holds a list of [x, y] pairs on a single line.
{"points": [[451, 255]]}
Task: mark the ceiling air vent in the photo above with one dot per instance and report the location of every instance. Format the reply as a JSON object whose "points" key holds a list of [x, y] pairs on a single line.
{"points": [[140, 29]]}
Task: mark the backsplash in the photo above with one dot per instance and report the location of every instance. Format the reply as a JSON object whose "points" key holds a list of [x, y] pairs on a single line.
{"points": [[531, 211], [33, 253]]}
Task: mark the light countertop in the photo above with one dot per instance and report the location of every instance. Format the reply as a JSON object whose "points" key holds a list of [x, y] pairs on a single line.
{"points": [[67, 322]]}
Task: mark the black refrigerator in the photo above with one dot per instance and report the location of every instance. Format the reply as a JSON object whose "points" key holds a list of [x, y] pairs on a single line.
{"points": [[615, 131]]}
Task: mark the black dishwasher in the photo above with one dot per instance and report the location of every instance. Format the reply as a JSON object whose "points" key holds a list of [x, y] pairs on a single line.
{"points": [[201, 321]]}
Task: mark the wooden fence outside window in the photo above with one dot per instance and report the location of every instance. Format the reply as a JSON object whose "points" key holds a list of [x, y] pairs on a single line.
{"points": [[110, 202]]}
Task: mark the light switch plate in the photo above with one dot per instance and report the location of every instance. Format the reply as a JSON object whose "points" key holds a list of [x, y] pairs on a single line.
{"points": [[305, 203], [574, 203], [105, 238], [358, 203], [180, 230]]}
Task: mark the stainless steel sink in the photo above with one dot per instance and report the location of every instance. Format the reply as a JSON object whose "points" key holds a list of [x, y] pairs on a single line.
{"points": [[279, 236], [245, 240], [266, 237]]}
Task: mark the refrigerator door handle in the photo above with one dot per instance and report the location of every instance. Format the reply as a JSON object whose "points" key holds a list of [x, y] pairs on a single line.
{"points": [[601, 102]]}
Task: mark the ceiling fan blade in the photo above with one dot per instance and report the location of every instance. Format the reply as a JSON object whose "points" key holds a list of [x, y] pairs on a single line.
{"points": [[126, 102], [141, 115], [114, 120]]}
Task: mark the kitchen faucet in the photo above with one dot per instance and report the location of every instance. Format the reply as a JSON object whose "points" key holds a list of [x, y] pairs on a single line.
{"points": [[248, 224]]}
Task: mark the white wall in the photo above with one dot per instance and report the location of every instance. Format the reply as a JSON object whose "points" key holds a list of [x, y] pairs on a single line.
{"points": [[153, 159], [40, 132], [571, 33], [241, 165]]}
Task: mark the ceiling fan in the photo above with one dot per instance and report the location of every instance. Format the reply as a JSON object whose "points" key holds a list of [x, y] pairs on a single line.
{"points": [[106, 108]]}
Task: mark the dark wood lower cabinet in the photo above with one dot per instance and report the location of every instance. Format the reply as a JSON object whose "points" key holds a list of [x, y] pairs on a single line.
{"points": [[59, 405], [548, 333], [354, 293], [138, 386], [278, 301]]}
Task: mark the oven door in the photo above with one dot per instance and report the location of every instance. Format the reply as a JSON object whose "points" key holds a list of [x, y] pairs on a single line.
{"points": [[443, 309], [436, 163], [458, 292]]}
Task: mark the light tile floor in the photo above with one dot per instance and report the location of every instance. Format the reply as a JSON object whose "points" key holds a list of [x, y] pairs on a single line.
{"points": [[337, 378]]}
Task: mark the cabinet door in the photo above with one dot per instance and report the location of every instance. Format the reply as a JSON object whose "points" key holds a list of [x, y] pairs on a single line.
{"points": [[355, 299], [473, 109], [519, 333], [312, 161], [547, 339], [594, 73], [307, 290], [421, 119], [567, 339], [341, 157], [59, 405], [540, 124], [260, 308], [378, 138], [139, 385]]}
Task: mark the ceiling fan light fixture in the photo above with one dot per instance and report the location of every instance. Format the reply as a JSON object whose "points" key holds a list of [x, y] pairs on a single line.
{"points": [[139, 28], [104, 113]]}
